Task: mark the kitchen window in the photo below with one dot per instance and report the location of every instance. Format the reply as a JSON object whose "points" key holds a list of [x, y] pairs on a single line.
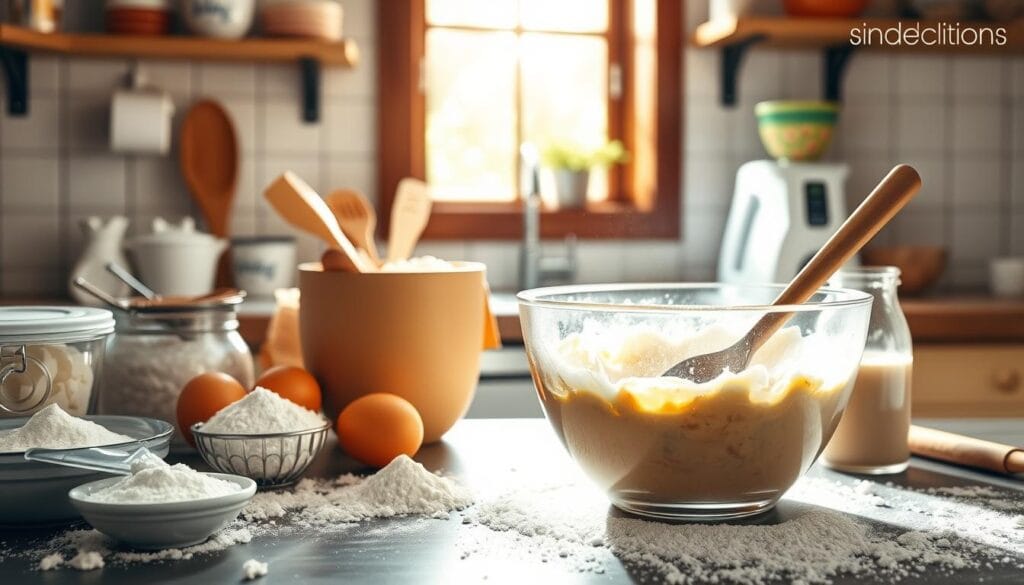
{"points": [[462, 83]]}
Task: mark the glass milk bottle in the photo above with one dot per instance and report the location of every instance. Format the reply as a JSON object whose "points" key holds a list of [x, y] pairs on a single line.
{"points": [[872, 435]]}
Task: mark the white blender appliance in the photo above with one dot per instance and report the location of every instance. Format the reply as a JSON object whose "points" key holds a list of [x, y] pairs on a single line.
{"points": [[782, 213]]}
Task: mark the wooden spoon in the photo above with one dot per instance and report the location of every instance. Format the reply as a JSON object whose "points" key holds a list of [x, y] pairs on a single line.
{"points": [[409, 215], [209, 162], [301, 206], [357, 219], [881, 205]]}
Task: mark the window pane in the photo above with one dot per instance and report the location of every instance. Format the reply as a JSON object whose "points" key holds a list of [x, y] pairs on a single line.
{"points": [[471, 119], [565, 98], [564, 15], [477, 13]]}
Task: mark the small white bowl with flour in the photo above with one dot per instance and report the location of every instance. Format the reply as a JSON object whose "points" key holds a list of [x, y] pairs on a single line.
{"points": [[162, 506]]}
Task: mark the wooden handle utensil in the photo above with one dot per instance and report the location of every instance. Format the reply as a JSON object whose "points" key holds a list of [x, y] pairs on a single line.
{"points": [[302, 207], [409, 215], [968, 451]]}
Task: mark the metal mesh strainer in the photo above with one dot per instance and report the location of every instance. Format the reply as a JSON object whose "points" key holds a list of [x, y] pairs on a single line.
{"points": [[272, 460]]}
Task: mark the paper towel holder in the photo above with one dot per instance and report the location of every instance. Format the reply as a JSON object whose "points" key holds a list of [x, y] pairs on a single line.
{"points": [[140, 99]]}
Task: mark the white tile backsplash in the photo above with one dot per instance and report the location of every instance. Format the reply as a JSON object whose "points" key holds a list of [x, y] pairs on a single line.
{"points": [[349, 126], [975, 235], [958, 119], [284, 131], [29, 240], [29, 183], [869, 78], [978, 77], [920, 126], [227, 79], [921, 77], [977, 183], [97, 75], [97, 182], [38, 131], [88, 121], [978, 127]]}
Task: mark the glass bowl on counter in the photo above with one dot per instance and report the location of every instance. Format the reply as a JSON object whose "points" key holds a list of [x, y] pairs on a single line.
{"points": [[51, 355], [666, 447]]}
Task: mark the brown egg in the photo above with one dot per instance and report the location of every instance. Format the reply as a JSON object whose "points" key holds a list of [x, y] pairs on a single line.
{"points": [[376, 428], [202, 397], [295, 384]]}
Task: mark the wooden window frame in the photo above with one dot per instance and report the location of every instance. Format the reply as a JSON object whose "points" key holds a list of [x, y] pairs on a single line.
{"points": [[402, 141]]}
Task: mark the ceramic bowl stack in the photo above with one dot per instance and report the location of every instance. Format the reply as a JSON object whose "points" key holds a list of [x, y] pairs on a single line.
{"points": [[138, 17], [219, 19], [312, 19]]}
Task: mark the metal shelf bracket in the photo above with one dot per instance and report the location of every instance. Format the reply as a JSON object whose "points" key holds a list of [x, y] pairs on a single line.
{"points": [[310, 71], [732, 60], [15, 64], [836, 59]]}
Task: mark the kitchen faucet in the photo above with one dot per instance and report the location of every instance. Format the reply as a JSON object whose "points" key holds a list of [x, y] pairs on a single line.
{"points": [[536, 268]]}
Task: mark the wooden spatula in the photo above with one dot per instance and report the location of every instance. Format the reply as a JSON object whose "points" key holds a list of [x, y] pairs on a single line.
{"points": [[356, 217], [300, 205], [409, 215], [888, 197], [209, 161]]}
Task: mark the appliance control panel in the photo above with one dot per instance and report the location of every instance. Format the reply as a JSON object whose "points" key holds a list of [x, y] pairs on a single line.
{"points": [[816, 199]]}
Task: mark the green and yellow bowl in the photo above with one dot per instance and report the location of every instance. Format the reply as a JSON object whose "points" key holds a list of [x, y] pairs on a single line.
{"points": [[796, 130]]}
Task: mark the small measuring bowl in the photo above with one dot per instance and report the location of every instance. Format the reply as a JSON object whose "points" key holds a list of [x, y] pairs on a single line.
{"points": [[163, 525]]}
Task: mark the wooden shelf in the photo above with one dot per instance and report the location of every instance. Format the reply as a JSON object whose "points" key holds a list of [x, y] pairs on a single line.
{"points": [[340, 53], [820, 33], [733, 37], [16, 42]]}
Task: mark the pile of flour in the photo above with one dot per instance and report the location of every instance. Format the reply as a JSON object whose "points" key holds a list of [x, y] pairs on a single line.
{"points": [[418, 264], [572, 525], [402, 488], [155, 482], [52, 428], [262, 411]]}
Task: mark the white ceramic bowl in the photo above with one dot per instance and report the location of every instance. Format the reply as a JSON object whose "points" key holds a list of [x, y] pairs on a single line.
{"points": [[159, 526], [37, 493], [220, 19]]}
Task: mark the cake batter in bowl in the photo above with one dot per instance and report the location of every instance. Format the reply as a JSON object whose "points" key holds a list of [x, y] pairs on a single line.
{"points": [[667, 447]]}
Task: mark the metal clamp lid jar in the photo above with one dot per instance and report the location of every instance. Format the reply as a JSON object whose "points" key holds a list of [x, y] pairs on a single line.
{"points": [[162, 344], [51, 354]]}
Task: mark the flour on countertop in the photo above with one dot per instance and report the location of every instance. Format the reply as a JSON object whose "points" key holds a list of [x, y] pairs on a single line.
{"points": [[52, 428], [402, 488], [253, 569], [868, 530], [51, 561], [261, 412], [156, 482], [87, 561]]}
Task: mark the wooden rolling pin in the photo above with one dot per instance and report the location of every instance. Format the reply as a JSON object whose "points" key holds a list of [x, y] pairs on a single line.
{"points": [[968, 451]]}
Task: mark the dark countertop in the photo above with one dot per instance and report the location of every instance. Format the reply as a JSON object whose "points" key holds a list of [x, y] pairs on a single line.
{"points": [[488, 455]]}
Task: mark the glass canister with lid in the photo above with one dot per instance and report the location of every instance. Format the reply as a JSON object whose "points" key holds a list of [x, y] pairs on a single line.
{"points": [[157, 349], [872, 434], [51, 355]]}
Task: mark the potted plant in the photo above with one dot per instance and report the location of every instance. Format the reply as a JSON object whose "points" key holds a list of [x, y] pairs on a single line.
{"points": [[571, 165]]}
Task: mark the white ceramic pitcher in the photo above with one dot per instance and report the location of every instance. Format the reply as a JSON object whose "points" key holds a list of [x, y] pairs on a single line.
{"points": [[102, 245]]}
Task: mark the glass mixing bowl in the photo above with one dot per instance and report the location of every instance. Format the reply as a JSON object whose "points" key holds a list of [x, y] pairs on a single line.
{"points": [[670, 448]]}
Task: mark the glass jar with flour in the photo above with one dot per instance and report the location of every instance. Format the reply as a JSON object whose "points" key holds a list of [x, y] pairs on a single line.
{"points": [[155, 351]]}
